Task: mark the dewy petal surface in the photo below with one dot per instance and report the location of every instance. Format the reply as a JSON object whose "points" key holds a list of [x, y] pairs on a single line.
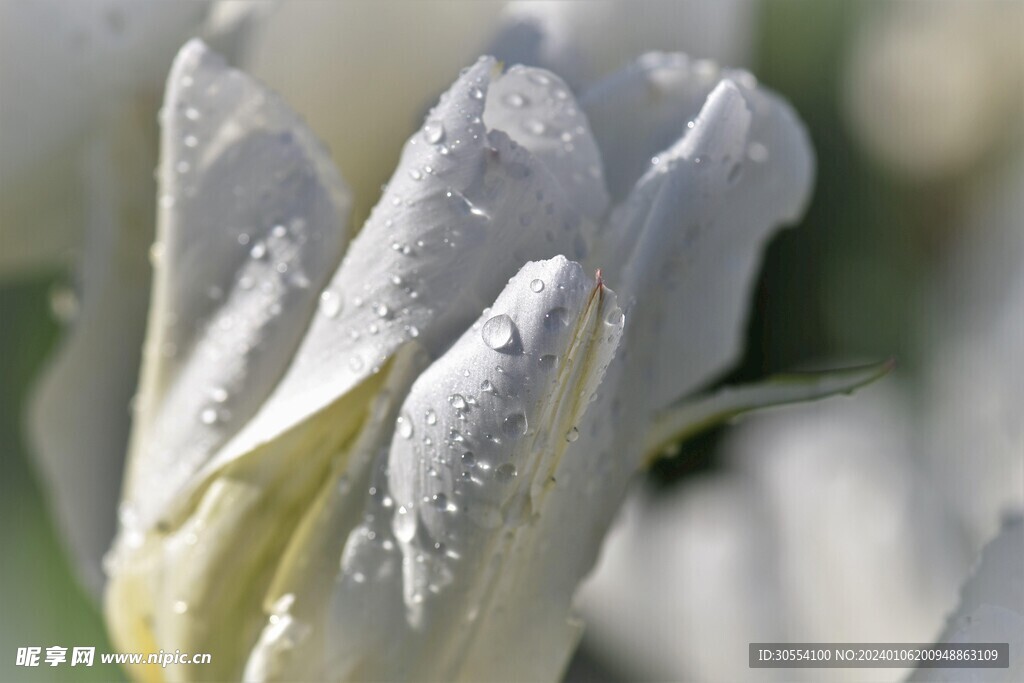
{"points": [[536, 108], [465, 208], [694, 227], [470, 472], [251, 222], [644, 108]]}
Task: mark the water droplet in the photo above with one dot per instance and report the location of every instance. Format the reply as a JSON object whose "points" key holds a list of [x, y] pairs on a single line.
{"points": [[547, 361], [355, 363], [505, 472], [433, 131], [614, 316], [258, 251], [382, 310], [514, 99], [537, 286], [440, 501], [431, 417], [191, 141], [486, 386], [476, 93], [556, 318], [572, 435], [514, 425], [468, 459], [330, 303], [498, 332], [415, 174], [219, 394], [403, 425], [192, 114], [208, 416], [180, 606]]}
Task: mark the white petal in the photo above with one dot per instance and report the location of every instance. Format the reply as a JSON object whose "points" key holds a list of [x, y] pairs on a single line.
{"points": [[471, 471], [251, 222], [295, 641], [640, 111], [991, 608], [465, 208], [79, 414], [536, 109], [693, 230]]}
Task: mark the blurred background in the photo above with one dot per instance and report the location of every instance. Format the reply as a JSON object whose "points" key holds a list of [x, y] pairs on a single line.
{"points": [[855, 519]]}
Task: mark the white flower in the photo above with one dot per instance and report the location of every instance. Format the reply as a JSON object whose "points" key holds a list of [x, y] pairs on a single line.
{"points": [[88, 138], [294, 415], [821, 529], [931, 89]]}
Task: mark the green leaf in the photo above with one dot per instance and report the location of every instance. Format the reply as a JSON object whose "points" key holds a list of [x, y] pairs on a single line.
{"points": [[692, 416]]}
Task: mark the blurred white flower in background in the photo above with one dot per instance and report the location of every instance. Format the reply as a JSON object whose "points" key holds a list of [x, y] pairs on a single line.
{"points": [[973, 387], [69, 70], [848, 520], [820, 529], [933, 87]]}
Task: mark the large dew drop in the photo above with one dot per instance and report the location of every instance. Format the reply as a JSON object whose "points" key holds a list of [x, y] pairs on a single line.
{"points": [[499, 332], [433, 131], [514, 425]]}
